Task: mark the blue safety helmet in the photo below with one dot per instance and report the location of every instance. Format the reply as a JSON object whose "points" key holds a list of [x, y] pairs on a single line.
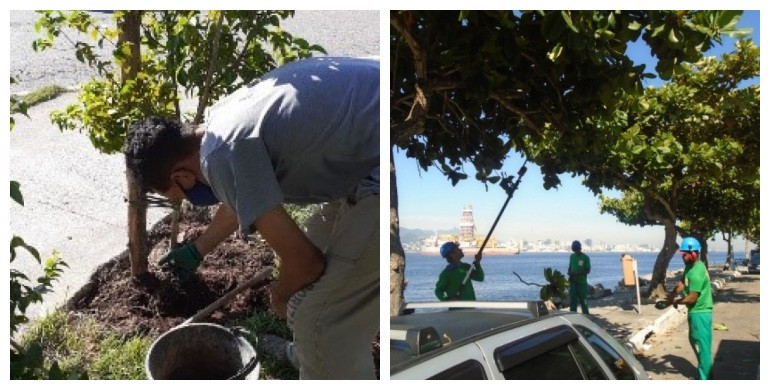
{"points": [[447, 247], [576, 245], [689, 244]]}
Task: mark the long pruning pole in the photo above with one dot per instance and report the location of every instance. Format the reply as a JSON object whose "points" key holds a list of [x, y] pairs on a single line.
{"points": [[509, 188]]}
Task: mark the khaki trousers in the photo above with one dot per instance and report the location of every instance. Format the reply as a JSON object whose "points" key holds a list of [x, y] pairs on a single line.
{"points": [[335, 320]]}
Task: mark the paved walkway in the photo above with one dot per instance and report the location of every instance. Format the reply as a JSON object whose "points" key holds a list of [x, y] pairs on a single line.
{"points": [[660, 337]]}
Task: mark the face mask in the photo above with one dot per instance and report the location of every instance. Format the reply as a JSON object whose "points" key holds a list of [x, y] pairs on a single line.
{"points": [[201, 195]]}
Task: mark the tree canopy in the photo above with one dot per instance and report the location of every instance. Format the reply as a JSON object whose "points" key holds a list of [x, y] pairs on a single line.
{"points": [[474, 86], [688, 154]]}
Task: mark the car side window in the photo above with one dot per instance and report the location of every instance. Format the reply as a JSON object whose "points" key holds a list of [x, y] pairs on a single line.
{"points": [[552, 354], [469, 369], [620, 368], [591, 368]]}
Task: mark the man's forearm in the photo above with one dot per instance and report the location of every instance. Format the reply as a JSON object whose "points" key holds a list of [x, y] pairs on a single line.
{"points": [[301, 262], [224, 223]]}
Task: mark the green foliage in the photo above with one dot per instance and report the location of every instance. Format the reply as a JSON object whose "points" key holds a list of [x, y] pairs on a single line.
{"points": [[211, 53], [28, 362], [472, 86], [108, 108], [300, 213], [556, 288], [43, 94], [689, 153]]}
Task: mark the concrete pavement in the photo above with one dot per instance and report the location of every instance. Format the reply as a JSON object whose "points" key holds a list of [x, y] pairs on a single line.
{"points": [[660, 337], [73, 201]]}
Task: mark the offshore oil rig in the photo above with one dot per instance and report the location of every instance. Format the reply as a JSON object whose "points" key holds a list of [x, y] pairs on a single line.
{"points": [[469, 241]]}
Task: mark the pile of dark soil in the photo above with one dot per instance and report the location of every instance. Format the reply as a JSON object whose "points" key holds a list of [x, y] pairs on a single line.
{"points": [[155, 302]]}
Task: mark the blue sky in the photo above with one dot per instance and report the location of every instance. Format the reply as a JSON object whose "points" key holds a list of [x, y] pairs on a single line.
{"points": [[427, 200]]}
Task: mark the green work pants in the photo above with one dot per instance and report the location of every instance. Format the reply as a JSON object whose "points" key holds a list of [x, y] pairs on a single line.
{"points": [[700, 340], [578, 293]]}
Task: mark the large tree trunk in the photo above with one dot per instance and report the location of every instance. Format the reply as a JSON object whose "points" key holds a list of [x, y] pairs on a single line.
{"points": [[397, 257], [657, 288], [137, 205]]}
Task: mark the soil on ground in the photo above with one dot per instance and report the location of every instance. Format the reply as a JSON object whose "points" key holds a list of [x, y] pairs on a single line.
{"points": [[156, 302]]}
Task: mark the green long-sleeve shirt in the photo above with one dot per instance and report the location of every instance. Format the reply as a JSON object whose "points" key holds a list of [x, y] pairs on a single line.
{"points": [[451, 279]]}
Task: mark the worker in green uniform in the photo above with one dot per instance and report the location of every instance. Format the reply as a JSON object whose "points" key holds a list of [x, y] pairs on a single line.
{"points": [[579, 268], [450, 283], [694, 291]]}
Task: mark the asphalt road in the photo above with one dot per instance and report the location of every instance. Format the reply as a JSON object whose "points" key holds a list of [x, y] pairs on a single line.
{"points": [[74, 195], [342, 33]]}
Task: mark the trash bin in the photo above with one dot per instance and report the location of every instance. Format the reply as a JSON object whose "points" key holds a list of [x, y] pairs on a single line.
{"points": [[629, 276]]}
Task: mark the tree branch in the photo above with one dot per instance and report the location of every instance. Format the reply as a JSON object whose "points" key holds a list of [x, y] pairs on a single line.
{"points": [[527, 283], [203, 101], [510, 107], [420, 103]]}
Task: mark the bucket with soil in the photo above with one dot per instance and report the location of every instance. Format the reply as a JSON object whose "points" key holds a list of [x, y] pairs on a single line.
{"points": [[202, 351]]}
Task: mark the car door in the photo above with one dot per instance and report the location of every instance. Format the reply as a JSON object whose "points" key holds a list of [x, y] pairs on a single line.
{"points": [[464, 362], [543, 350]]}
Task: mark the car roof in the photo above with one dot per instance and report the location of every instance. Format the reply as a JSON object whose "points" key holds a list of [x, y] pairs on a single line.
{"points": [[456, 328]]}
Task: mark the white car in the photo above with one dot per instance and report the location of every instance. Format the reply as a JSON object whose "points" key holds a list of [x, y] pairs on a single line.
{"points": [[503, 340]]}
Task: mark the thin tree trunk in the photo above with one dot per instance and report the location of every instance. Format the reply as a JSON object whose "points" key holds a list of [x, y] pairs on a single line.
{"points": [[657, 288], [397, 257], [704, 248], [730, 260], [137, 205]]}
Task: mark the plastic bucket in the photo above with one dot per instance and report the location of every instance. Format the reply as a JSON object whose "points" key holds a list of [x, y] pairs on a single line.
{"points": [[202, 351]]}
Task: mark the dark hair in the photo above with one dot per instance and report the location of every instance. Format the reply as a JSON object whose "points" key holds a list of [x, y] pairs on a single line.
{"points": [[153, 146]]}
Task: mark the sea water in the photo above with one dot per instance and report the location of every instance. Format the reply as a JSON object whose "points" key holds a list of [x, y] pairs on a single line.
{"points": [[500, 283]]}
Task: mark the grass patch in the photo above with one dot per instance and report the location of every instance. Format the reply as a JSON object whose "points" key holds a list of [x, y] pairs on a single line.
{"points": [[264, 322], [120, 358], [80, 345], [42, 94]]}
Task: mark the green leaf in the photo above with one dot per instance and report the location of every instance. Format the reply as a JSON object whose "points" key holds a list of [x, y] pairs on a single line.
{"points": [[728, 19], [33, 355], [553, 25], [568, 20], [555, 53], [738, 33], [672, 36], [16, 242], [16, 192], [658, 30]]}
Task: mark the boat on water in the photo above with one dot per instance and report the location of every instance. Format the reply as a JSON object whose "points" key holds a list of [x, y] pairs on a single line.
{"points": [[469, 241]]}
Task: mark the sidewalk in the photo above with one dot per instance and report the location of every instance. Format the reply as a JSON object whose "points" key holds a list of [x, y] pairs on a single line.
{"points": [[74, 201], [621, 316]]}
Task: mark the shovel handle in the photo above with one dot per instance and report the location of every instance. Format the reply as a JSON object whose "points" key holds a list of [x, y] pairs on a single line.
{"points": [[258, 278]]}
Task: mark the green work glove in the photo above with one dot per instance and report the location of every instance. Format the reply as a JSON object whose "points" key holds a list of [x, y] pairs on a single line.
{"points": [[182, 261]]}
